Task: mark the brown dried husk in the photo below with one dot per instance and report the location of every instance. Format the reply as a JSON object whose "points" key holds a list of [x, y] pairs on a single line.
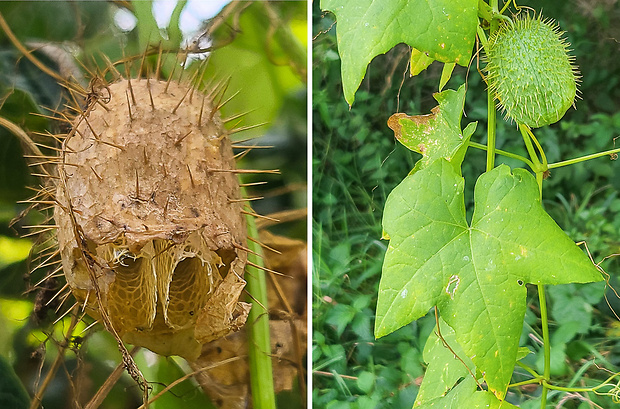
{"points": [[229, 385], [149, 205]]}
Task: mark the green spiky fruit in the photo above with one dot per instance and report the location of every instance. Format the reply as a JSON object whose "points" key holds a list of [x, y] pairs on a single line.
{"points": [[530, 71]]}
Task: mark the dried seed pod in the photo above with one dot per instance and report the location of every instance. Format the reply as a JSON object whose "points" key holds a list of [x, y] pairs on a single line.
{"points": [[530, 71], [149, 222]]}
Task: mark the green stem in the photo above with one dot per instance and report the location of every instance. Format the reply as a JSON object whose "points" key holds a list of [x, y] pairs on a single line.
{"points": [[261, 374], [530, 370], [583, 158], [528, 382], [542, 301], [505, 7], [592, 389], [539, 180], [547, 385], [491, 112], [503, 153], [530, 149], [543, 157], [546, 343], [491, 130], [494, 22]]}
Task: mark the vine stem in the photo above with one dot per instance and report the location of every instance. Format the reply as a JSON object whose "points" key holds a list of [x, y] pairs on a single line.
{"points": [[528, 382], [491, 130], [571, 389], [261, 373], [542, 298], [538, 170], [491, 109], [494, 22], [546, 344]]}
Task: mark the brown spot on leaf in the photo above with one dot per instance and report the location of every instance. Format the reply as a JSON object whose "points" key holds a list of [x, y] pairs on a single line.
{"points": [[395, 124]]}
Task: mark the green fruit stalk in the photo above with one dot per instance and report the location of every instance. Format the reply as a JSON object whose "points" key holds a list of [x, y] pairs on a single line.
{"points": [[530, 72]]}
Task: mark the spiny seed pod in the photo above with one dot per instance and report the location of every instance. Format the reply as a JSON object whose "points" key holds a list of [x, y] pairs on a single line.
{"points": [[530, 71], [149, 215]]}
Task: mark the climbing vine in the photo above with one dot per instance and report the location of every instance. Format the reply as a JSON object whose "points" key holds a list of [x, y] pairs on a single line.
{"points": [[473, 272]]}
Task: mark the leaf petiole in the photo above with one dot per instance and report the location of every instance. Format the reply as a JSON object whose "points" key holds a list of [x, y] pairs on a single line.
{"points": [[530, 370], [503, 153], [528, 382], [539, 379], [611, 152]]}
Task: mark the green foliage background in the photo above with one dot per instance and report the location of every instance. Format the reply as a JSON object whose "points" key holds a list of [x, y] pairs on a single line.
{"points": [[357, 162], [270, 77]]}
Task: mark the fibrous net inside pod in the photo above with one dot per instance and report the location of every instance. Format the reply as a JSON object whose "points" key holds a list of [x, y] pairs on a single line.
{"points": [[149, 216]]}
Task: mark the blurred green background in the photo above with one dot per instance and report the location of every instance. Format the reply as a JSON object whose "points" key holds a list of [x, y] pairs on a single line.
{"points": [[266, 63], [357, 162]]}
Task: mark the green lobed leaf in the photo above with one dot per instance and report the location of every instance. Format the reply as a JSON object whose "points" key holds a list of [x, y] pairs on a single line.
{"points": [[438, 134], [444, 369], [419, 61], [446, 74], [442, 29], [465, 395], [447, 383], [475, 273]]}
